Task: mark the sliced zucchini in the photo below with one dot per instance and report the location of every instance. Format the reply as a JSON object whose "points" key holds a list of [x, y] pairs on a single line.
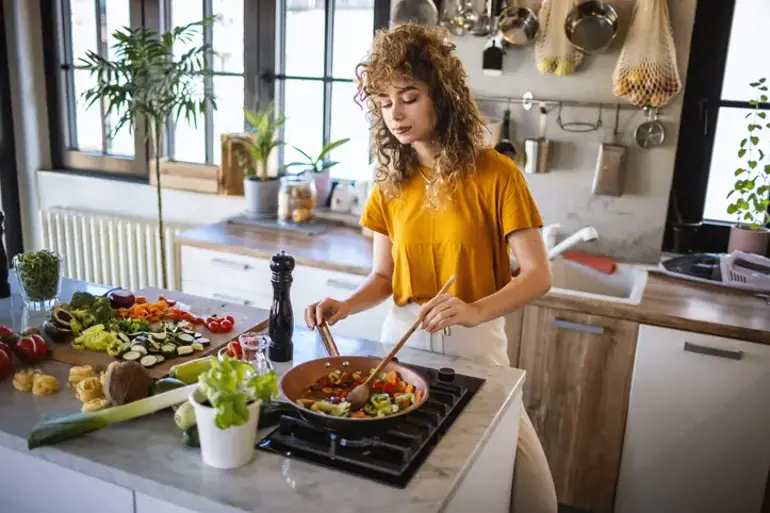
{"points": [[196, 346], [149, 360], [185, 338], [203, 341], [155, 345], [160, 337], [197, 335], [141, 339], [184, 350], [124, 338], [160, 358], [132, 355], [168, 349], [140, 348], [153, 350], [136, 334]]}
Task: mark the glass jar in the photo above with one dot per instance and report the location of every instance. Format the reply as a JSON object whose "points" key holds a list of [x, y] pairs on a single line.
{"points": [[255, 346], [39, 277], [296, 199]]}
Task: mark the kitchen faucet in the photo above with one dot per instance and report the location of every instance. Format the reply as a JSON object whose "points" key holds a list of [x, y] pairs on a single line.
{"points": [[586, 234]]}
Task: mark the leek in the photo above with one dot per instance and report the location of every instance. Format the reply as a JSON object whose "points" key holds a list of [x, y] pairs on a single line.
{"points": [[53, 430]]}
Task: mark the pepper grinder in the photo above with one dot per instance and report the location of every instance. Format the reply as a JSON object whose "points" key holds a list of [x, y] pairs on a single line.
{"points": [[5, 286], [281, 319]]}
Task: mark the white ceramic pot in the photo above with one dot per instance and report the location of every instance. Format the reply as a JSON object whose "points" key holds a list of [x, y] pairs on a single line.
{"points": [[748, 240], [323, 187], [225, 448], [261, 195]]}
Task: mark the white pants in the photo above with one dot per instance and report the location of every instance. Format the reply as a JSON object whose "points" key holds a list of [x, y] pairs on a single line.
{"points": [[533, 486]]}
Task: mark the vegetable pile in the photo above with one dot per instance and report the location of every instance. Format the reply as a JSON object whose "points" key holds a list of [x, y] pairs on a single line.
{"points": [[391, 394]]}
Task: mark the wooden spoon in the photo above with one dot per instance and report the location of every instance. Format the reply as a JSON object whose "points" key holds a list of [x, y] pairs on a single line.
{"points": [[359, 396]]}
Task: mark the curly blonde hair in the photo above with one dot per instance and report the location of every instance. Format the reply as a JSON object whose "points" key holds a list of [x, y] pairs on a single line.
{"points": [[426, 54]]}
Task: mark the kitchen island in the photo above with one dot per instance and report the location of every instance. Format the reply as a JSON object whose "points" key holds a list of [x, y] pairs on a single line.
{"points": [[142, 465]]}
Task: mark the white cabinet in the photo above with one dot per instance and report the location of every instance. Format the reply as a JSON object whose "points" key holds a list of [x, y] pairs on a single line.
{"points": [[32, 485], [234, 278], [697, 435]]}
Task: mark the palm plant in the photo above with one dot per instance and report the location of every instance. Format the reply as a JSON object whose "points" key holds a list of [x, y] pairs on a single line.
{"points": [[318, 164], [260, 141], [145, 82]]}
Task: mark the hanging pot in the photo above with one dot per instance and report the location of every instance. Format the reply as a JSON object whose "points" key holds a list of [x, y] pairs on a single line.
{"points": [[591, 26], [518, 25]]}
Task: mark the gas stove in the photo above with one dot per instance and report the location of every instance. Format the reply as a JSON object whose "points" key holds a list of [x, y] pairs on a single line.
{"points": [[391, 457]]}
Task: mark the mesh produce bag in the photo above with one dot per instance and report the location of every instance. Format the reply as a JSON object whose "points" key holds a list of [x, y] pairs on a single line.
{"points": [[646, 73], [553, 51]]}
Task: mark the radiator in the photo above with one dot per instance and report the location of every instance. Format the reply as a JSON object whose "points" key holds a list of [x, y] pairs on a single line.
{"points": [[111, 250]]}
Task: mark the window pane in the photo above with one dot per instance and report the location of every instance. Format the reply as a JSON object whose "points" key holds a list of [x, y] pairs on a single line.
{"points": [[305, 29], [229, 114], [304, 119], [83, 33], [189, 140], [88, 120], [749, 34], [182, 13], [116, 18], [353, 31], [731, 129], [228, 35], [349, 120]]}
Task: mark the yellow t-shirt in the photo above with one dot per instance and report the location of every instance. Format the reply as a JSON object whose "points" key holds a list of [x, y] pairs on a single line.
{"points": [[466, 237]]}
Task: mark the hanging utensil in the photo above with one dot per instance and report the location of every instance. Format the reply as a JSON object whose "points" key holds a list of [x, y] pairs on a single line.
{"points": [[537, 149], [506, 146], [609, 165], [518, 25], [579, 126], [591, 26], [652, 132], [485, 24], [418, 11]]}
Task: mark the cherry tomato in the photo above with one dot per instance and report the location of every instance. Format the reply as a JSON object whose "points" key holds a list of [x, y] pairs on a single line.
{"points": [[213, 326], [198, 321], [231, 319], [170, 302], [225, 325]]}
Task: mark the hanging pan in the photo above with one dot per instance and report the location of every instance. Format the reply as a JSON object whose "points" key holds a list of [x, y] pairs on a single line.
{"points": [[591, 25], [518, 25]]}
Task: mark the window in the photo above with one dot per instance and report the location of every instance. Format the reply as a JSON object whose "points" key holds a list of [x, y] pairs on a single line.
{"points": [[724, 60], [299, 53], [323, 42]]}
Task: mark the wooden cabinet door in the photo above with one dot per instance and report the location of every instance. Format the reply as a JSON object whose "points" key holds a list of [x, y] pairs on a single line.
{"points": [[576, 392]]}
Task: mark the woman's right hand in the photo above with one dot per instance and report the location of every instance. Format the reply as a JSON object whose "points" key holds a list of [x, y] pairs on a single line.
{"points": [[330, 309]]}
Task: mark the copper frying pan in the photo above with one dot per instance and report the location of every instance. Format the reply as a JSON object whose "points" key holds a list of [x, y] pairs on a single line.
{"points": [[294, 384]]}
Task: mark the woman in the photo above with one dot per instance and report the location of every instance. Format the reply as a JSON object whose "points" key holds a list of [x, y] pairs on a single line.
{"points": [[443, 205]]}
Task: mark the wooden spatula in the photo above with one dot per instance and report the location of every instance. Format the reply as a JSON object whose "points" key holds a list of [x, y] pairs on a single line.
{"points": [[359, 396]]}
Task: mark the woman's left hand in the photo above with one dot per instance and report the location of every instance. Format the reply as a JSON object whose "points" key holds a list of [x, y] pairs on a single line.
{"points": [[446, 310]]}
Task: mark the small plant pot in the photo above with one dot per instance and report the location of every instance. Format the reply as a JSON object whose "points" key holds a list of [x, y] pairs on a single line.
{"points": [[225, 448], [261, 195], [323, 187], [748, 240]]}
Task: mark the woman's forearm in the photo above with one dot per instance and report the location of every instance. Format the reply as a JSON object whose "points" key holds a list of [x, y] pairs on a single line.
{"points": [[376, 289], [519, 292]]}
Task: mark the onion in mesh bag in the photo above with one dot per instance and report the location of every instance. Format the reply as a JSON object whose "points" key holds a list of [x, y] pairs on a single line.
{"points": [[646, 73]]}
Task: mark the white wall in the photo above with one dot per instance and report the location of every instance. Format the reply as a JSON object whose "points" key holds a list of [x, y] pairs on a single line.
{"points": [[630, 227]]}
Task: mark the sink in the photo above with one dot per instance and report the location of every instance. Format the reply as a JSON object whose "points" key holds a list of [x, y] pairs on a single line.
{"points": [[626, 285]]}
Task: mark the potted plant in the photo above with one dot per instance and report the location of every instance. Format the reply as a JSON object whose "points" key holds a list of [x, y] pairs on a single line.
{"points": [[750, 192], [253, 154], [226, 405], [319, 168], [147, 83]]}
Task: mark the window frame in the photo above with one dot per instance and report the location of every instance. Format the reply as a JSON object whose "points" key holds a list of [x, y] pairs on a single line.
{"points": [[700, 111], [259, 73]]}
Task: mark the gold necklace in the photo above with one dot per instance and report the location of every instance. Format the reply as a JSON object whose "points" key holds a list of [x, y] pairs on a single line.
{"points": [[428, 183]]}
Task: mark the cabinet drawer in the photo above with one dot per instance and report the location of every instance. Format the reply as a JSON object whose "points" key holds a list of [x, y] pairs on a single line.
{"points": [[226, 270], [257, 298]]}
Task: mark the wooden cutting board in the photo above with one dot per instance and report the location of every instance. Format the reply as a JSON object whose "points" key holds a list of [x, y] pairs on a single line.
{"points": [[246, 319]]}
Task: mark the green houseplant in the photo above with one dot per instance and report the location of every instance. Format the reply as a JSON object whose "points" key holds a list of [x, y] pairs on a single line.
{"points": [[253, 153], [319, 167], [749, 195], [147, 83]]}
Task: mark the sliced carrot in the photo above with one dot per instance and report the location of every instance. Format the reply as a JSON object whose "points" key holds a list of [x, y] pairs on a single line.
{"points": [[358, 414], [419, 395], [391, 377], [409, 389]]}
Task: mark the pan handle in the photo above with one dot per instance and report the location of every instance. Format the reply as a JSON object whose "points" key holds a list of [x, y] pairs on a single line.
{"points": [[328, 340]]}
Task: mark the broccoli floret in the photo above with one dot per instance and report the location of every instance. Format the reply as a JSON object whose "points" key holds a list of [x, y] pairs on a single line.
{"points": [[82, 300], [101, 310]]}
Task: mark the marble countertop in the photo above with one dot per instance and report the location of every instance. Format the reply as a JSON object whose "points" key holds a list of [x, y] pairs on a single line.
{"points": [[147, 454]]}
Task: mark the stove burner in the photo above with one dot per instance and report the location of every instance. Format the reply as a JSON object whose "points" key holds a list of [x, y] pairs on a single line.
{"points": [[393, 456]]}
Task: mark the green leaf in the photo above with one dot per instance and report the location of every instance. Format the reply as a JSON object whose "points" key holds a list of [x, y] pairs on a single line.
{"points": [[762, 80], [732, 208], [747, 216], [739, 171], [761, 154], [754, 140], [752, 127], [754, 84], [733, 191], [752, 164], [741, 152], [767, 169], [743, 142]]}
